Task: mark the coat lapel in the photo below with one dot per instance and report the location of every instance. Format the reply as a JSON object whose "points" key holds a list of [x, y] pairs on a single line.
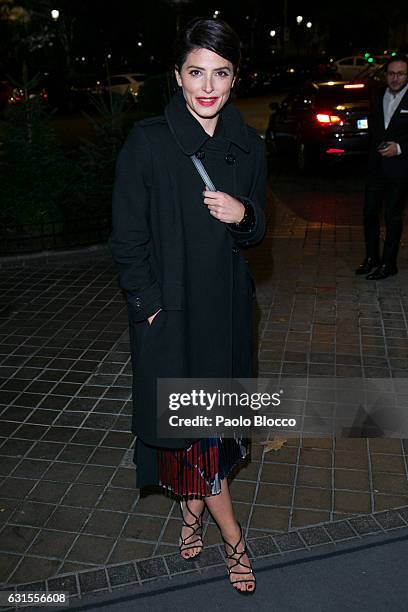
{"points": [[381, 105], [402, 102]]}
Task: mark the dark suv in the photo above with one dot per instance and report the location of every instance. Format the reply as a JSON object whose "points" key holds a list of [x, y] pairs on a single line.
{"points": [[320, 121]]}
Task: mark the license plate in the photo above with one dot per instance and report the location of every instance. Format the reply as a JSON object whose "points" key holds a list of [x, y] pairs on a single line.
{"points": [[362, 124]]}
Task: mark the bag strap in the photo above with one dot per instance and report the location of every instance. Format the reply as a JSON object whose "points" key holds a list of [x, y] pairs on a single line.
{"points": [[203, 173]]}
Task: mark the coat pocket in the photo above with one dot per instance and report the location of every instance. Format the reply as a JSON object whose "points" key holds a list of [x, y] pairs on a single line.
{"points": [[161, 351]]}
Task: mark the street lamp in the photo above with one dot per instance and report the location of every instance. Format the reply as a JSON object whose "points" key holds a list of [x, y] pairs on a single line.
{"points": [[272, 33], [299, 19], [216, 14], [55, 14], [309, 24]]}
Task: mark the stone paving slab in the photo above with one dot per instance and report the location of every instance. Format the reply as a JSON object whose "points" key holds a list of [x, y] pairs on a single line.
{"points": [[68, 501]]}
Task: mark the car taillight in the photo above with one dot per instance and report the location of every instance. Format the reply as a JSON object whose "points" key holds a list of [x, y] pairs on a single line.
{"points": [[354, 86], [327, 119]]}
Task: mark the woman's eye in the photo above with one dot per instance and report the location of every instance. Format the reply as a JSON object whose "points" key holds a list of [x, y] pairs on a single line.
{"points": [[222, 73], [194, 72]]}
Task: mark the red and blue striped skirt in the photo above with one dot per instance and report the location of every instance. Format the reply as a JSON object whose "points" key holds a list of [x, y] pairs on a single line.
{"points": [[197, 471]]}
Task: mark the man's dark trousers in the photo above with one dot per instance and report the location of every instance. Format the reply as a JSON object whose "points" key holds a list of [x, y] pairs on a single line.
{"points": [[390, 193]]}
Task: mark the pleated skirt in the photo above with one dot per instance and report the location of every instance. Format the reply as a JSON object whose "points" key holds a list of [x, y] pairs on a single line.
{"points": [[195, 472]]}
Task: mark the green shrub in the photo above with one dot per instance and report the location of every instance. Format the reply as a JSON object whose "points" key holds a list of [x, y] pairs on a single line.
{"points": [[155, 93], [97, 157], [36, 176]]}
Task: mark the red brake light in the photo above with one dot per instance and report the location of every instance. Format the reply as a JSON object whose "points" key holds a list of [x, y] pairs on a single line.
{"points": [[326, 119], [335, 151], [354, 86]]}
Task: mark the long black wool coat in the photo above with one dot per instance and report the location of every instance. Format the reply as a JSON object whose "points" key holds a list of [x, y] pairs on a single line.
{"points": [[159, 225]]}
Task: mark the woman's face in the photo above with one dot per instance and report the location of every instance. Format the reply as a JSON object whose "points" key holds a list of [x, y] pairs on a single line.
{"points": [[206, 79]]}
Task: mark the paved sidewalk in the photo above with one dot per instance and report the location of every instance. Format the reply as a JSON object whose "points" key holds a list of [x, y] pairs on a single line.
{"points": [[68, 499]]}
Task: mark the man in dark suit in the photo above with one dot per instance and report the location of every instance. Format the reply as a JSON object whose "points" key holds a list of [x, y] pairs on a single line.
{"points": [[387, 180]]}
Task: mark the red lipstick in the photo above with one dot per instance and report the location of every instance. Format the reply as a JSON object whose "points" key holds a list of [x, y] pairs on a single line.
{"points": [[207, 101]]}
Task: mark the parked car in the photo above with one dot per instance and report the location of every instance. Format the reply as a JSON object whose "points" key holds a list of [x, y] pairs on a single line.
{"points": [[19, 94], [320, 121], [10, 95], [125, 84], [371, 77], [260, 77], [350, 67], [81, 89]]}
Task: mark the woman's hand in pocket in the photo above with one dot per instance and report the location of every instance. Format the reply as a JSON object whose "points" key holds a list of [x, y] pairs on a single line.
{"points": [[151, 319]]}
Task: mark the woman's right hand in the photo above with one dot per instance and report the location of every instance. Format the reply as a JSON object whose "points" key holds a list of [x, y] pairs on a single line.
{"points": [[150, 319]]}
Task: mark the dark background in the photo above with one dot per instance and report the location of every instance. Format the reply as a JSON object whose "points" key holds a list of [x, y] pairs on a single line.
{"points": [[94, 29]]}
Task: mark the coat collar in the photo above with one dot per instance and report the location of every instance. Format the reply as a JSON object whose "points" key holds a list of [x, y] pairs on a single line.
{"points": [[189, 134]]}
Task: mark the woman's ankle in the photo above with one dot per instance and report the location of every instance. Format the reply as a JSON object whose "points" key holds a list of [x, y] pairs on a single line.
{"points": [[192, 509], [232, 533]]}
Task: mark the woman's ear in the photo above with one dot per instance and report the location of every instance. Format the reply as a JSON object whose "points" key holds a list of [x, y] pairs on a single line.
{"points": [[178, 77]]}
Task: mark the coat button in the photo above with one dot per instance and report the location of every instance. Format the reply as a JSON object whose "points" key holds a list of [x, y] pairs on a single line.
{"points": [[230, 159], [138, 303], [235, 250], [200, 155]]}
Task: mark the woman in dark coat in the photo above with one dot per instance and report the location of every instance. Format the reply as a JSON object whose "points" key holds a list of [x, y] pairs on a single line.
{"points": [[188, 287]]}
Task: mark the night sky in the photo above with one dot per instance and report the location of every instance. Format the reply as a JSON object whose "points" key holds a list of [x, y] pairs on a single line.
{"points": [[349, 24], [101, 28]]}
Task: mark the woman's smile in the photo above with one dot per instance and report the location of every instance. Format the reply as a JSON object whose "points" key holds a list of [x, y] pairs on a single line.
{"points": [[207, 101]]}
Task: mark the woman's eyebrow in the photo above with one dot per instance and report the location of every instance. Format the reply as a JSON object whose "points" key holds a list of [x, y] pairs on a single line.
{"points": [[200, 68]]}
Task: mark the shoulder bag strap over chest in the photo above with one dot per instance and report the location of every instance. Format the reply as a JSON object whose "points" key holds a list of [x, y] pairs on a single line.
{"points": [[203, 173]]}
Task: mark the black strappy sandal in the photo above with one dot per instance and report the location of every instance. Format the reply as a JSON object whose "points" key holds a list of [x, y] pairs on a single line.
{"points": [[237, 556], [197, 531]]}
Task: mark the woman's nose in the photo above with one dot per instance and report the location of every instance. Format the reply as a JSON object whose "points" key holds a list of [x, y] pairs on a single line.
{"points": [[208, 85]]}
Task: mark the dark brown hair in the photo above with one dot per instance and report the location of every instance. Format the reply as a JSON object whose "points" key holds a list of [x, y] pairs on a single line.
{"points": [[212, 34]]}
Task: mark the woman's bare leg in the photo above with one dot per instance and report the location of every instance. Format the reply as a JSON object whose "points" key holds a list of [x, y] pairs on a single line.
{"points": [[196, 506], [220, 507]]}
